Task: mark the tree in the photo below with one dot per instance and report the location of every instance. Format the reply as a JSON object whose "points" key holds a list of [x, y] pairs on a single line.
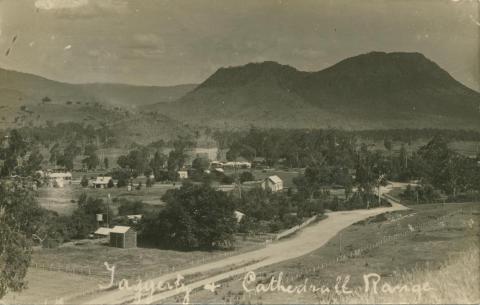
{"points": [[33, 163], [19, 220], [84, 181], [195, 216], [200, 164], [110, 184], [91, 160], [388, 144], [157, 165], [128, 207], [149, 182], [136, 161], [246, 176], [15, 151], [105, 162], [83, 220]]}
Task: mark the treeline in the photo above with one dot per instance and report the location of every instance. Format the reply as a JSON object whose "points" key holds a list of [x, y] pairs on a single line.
{"points": [[68, 132], [442, 171], [197, 216], [152, 160], [295, 146], [22, 156]]}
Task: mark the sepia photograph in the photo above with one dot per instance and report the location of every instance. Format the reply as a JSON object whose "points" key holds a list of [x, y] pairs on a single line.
{"points": [[239, 152]]}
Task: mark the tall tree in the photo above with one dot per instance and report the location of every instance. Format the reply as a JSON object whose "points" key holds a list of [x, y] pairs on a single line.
{"points": [[20, 216]]}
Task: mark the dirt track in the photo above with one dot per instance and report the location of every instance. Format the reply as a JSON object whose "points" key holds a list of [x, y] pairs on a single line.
{"points": [[305, 241]]}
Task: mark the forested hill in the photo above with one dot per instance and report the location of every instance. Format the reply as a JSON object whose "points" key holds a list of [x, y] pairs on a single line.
{"points": [[374, 90]]}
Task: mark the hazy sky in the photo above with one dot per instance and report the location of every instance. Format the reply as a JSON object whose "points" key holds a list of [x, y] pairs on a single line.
{"points": [[162, 42]]}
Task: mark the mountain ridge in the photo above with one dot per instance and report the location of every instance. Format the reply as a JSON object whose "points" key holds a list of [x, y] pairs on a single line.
{"points": [[372, 86]]}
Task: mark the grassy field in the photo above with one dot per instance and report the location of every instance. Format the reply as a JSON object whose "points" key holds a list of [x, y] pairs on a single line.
{"points": [[426, 248], [60, 199], [49, 287], [88, 257]]}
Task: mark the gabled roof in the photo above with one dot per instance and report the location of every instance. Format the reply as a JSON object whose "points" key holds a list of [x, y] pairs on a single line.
{"points": [[60, 175], [120, 229], [103, 180], [275, 179], [103, 231]]}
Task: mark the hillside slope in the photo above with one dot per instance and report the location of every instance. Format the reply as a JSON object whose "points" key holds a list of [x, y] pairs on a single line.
{"points": [[374, 90]]}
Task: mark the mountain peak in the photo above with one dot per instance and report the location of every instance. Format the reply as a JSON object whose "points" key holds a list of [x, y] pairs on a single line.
{"points": [[258, 72]]}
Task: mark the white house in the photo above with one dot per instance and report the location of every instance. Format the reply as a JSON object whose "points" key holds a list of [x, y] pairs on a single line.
{"points": [[237, 164], [239, 216], [101, 182], [273, 183], [182, 174], [59, 179]]}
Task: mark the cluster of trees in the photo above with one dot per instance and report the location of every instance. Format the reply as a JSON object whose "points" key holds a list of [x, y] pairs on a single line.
{"points": [[437, 167], [150, 159], [18, 156], [195, 216], [69, 132], [20, 153]]}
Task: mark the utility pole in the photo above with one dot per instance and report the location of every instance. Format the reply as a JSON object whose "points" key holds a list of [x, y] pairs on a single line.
{"points": [[108, 208]]}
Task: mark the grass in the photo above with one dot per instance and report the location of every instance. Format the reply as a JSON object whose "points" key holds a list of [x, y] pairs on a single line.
{"points": [[47, 287], [455, 282], [427, 248], [60, 199], [89, 257]]}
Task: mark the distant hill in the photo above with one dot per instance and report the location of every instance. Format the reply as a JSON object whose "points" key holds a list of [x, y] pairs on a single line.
{"points": [[374, 90], [41, 96]]}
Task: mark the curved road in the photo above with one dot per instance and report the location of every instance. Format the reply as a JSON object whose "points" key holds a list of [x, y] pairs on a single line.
{"points": [[303, 242]]}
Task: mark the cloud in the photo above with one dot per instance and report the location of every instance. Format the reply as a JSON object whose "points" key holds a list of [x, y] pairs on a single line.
{"points": [[82, 8], [147, 45], [59, 4]]}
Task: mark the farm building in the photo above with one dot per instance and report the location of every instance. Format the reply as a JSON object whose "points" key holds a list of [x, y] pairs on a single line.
{"points": [[237, 164], [273, 183], [59, 179], [183, 174], [216, 164], [123, 237], [239, 216], [102, 232], [101, 182]]}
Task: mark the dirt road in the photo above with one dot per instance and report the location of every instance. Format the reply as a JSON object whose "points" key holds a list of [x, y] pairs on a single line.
{"points": [[305, 241]]}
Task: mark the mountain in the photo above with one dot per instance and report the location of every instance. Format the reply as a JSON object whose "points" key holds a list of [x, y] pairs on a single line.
{"points": [[373, 90], [30, 99], [30, 88]]}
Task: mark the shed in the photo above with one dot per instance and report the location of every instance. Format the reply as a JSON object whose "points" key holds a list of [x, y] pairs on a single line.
{"points": [[123, 237], [182, 174], [102, 232], [101, 182], [273, 183]]}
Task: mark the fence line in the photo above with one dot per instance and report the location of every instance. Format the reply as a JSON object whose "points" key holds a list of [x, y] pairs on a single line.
{"points": [[295, 228]]}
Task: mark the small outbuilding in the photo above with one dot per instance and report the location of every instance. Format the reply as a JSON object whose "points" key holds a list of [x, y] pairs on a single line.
{"points": [[182, 174], [123, 237], [101, 182], [102, 232], [273, 183]]}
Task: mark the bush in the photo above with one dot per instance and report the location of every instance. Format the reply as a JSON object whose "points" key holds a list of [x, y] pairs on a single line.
{"points": [[110, 183], [246, 176], [84, 181], [128, 207]]}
